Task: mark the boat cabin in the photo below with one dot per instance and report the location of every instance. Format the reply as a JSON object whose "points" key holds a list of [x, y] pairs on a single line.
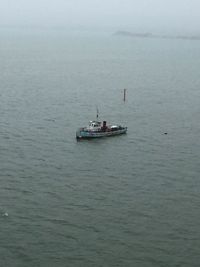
{"points": [[97, 126], [115, 128], [94, 124]]}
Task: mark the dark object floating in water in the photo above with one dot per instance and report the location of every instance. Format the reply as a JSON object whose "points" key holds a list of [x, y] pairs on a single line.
{"points": [[165, 133], [96, 129]]}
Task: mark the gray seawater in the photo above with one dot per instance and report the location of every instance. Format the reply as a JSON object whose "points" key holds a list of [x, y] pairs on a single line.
{"points": [[131, 200]]}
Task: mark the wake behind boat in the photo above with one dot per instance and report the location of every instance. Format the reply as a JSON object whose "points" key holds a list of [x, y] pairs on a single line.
{"points": [[96, 129]]}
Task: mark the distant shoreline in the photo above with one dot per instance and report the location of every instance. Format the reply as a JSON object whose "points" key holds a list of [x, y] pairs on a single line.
{"points": [[150, 35]]}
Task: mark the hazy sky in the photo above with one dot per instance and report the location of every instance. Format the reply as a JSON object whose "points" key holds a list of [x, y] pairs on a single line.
{"points": [[141, 15]]}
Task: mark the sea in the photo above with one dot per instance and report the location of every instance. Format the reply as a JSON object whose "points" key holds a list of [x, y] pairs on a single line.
{"points": [[130, 200]]}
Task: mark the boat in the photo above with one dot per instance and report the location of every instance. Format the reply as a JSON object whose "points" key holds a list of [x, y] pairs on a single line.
{"points": [[97, 129]]}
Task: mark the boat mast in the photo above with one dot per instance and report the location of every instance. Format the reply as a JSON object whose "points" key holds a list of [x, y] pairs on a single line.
{"points": [[97, 113]]}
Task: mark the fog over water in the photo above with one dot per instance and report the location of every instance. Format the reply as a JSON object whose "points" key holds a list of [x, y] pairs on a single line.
{"points": [[180, 16]]}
